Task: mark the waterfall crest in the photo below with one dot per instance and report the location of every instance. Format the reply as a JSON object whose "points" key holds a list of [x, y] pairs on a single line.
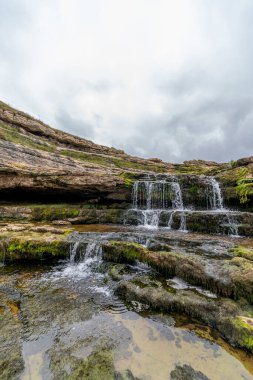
{"points": [[153, 199], [160, 202]]}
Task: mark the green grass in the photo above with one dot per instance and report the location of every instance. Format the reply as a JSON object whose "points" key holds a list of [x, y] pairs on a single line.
{"points": [[6, 106], [54, 213], [241, 251], [110, 161], [11, 134], [244, 189], [195, 169]]}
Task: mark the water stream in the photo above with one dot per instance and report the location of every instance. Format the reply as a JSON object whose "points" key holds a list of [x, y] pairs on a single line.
{"points": [[66, 321], [157, 202], [153, 198]]}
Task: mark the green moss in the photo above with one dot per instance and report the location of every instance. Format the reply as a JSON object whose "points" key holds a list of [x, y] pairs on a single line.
{"points": [[53, 213], [89, 206], [20, 249], [127, 252], [243, 332], [13, 135], [111, 161], [128, 179], [115, 271], [99, 365], [87, 157], [244, 189], [232, 175], [237, 183], [233, 164], [193, 190], [242, 251], [196, 167]]}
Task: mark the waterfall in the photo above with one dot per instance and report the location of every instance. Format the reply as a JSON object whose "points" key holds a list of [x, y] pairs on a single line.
{"points": [[159, 195], [232, 225], [170, 221], [85, 250], [177, 200], [158, 201], [214, 197], [150, 195], [215, 200], [155, 199]]}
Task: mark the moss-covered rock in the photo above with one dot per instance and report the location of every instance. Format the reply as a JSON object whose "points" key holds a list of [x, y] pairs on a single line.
{"points": [[239, 331], [99, 365], [186, 372], [242, 251], [241, 275], [228, 278], [74, 214], [224, 315], [34, 249], [126, 252], [34, 243], [53, 213]]}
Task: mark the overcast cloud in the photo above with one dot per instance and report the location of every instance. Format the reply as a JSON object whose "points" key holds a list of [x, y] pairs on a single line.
{"points": [[158, 78]]}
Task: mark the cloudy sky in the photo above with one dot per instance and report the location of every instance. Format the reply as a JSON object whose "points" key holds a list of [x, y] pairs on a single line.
{"points": [[158, 78]]}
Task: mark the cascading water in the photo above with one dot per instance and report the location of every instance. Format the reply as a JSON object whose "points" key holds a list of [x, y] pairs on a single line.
{"points": [[159, 202], [85, 256], [214, 198], [215, 201], [155, 199]]}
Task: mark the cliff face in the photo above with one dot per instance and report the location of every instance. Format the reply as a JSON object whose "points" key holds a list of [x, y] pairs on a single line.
{"points": [[38, 162]]}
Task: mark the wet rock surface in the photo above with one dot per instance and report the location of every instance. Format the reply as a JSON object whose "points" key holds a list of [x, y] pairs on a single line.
{"points": [[120, 302], [186, 372], [65, 321]]}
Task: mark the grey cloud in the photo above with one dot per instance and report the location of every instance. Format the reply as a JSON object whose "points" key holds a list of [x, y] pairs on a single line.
{"points": [[87, 83], [189, 131], [98, 86], [78, 127], [184, 84]]}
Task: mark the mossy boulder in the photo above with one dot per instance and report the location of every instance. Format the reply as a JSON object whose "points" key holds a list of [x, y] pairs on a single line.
{"points": [[240, 331], [54, 213], [226, 277], [242, 251], [241, 275], [186, 372], [18, 249], [34, 243], [126, 252], [225, 315]]}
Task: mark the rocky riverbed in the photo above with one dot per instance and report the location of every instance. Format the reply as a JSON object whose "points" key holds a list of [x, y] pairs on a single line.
{"points": [[118, 267], [99, 299]]}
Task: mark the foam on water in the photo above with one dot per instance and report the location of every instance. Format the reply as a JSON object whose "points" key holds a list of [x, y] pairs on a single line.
{"points": [[160, 202], [154, 199]]}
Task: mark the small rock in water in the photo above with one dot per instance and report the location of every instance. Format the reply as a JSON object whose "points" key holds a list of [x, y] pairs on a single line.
{"points": [[138, 306], [61, 223], [186, 372]]}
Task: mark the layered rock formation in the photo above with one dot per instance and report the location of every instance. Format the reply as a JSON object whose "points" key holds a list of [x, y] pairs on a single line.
{"points": [[38, 163]]}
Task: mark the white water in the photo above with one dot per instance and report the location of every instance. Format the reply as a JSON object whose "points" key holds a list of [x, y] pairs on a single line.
{"points": [[83, 259], [215, 199], [153, 200], [159, 202]]}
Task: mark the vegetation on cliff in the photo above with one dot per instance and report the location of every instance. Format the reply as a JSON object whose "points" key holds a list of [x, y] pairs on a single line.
{"points": [[38, 161]]}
